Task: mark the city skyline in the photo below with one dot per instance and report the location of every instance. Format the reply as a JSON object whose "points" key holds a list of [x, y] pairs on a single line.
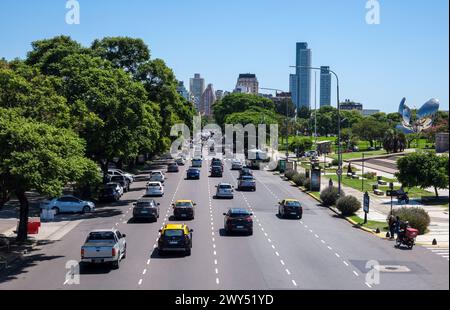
{"points": [[357, 51]]}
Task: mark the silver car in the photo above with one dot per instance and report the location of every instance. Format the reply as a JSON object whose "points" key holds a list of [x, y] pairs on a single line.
{"points": [[225, 190], [68, 204], [236, 164], [157, 176], [154, 189], [104, 246]]}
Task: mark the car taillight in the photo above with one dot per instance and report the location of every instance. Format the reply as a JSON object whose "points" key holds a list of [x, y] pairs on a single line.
{"points": [[82, 253], [249, 219], [160, 188], [113, 252]]}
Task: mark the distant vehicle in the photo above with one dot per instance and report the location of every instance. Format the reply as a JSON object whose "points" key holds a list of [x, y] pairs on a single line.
{"points": [[245, 171], [216, 171], [184, 209], [236, 164], [122, 180], [355, 148], [175, 237], [173, 167], [68, 204], [255, 157], [197, 162], [247, 182], [129, 176], [311, 154], [157, 176], [104, 246], [224, 190], [193, 173], [115, 186], [154, 189], [216, 162], [108, 194], [146, 208], [180, 161], [290, 208], [238, 220]]}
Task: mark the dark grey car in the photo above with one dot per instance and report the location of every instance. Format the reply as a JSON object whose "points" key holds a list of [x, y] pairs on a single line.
{"points": [[146, 209]]}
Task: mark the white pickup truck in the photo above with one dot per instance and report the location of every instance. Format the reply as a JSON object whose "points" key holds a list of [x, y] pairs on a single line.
{"points": [[104, 246]]}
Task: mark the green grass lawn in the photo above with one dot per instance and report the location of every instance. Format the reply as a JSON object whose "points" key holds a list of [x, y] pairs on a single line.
{"points": [[346, 156], [370, 224], [414, 192]]}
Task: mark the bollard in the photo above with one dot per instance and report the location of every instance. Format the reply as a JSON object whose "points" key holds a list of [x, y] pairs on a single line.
{"points": [[378, 231], [434, 242], [388, 235]]}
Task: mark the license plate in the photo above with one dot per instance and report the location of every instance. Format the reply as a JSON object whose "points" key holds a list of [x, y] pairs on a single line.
{"points": [[97, 261], [183, 215], [239, 227], [144, 212], [293, 213], [173, 242]]}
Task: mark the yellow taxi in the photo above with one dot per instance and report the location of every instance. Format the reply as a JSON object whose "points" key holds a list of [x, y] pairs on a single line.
{"points": [[290, 208], [175, 238]]}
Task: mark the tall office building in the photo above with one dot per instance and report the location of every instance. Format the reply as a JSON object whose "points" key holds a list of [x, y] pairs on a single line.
{"points": [[325, 86], [248, 81], [208, 99], [301, 88], [197, 88], [183, 91], [219, 94]]}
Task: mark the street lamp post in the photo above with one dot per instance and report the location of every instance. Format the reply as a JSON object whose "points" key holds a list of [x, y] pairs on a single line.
{"points": [[339, 122]]}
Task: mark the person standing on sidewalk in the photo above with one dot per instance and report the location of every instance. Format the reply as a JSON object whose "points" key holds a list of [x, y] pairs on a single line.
{"points": [[392, 226]]}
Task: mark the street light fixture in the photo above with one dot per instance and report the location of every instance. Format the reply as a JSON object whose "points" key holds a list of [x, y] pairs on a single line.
{"points": [[339, 123]]}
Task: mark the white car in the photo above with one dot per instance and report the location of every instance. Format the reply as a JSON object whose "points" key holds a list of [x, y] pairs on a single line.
{"points": [[113, 172], [154, 189], [236, 164], [68, 204], [180, 161], [225, 190], [115, 186], [157, 176], [104, 246]]}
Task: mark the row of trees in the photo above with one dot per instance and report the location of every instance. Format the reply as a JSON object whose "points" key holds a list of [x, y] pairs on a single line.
{"points": [[66, 109]]}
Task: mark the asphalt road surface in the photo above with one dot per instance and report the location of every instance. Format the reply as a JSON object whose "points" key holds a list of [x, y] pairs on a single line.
{"points": [[320, 251]]}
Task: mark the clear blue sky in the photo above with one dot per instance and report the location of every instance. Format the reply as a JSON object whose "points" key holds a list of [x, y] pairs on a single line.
{"points": [[407, 55]]}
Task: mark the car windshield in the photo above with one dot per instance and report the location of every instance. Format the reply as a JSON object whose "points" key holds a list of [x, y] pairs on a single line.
{"points": [[101, 236], [173, 233], [183, 204], [293, 204], [225, 186]]}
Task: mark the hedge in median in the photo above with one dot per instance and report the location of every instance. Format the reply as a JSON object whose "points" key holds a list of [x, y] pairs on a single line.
{"points": [[348, 205], [330, 195], [418, 218], [299, 179], [289, 174]]}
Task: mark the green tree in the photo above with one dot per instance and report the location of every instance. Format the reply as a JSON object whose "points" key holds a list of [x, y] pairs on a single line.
{"points": [[394, 141], [40, 157], [424, 169], [304, 112], [281, 106], [300, 144], [370, 129]]}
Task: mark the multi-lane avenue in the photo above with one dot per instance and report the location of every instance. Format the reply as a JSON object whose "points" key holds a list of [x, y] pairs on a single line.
{"points": [[320, 251]]}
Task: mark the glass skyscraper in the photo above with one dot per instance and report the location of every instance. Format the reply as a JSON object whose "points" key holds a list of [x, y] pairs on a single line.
{"points": [[300, 84], [325, 86]]}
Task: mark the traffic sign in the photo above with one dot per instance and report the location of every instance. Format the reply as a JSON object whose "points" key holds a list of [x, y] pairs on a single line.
{"points": [[366, 202], [339, 171]]}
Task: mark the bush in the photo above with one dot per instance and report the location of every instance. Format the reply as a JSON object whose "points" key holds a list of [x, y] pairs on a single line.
{"points": [[289, 174], [329, 196], [335, 162], [299, 179], [369, 175], [307, 183], [418, 218], [348, 205]]}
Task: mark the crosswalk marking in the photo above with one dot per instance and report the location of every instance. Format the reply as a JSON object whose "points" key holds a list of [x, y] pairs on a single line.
{"points": [[442, 252]]}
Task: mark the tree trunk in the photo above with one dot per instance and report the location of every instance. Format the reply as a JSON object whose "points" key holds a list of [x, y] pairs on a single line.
{"points": [[22, 233], [436, 191]]}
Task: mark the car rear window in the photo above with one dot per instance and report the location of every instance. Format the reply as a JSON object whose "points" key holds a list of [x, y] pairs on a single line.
{"points": [[144, 204], [225, 186], [100, 236], [239, 214], [183, 204], [153, 185], [293, 204], [173, 233], [117, 178], [247, 178]]}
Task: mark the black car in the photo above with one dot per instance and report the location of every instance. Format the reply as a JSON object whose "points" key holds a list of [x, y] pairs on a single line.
{"points": [[216, 162], [290, 208], [146, 208], [184, 209], [238, 220], [122, 180], [245, 171], [108, 194], [193, 174], [216, 171]]}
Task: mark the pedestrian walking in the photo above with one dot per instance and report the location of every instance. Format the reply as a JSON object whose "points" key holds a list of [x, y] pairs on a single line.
{"points": [[330, 183], [392, 223]]}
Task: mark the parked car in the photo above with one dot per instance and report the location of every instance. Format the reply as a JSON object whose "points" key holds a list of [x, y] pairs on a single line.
{"points": [[236, 164], [193, 173], [246, 182], [157, 176], [154, 189], [311, 154], [290, 208], [173, 167], [115, 186], [104, 246], [216, 171], [175, 237], [108, 194], [184, 209], [129, 176], [197, 162], [238, 220], [146, 208], [68, 204], [122, 180], [224, 190]]}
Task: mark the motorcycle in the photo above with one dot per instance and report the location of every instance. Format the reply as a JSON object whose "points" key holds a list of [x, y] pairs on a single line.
{"points": [[403, 197], [407, 237]]}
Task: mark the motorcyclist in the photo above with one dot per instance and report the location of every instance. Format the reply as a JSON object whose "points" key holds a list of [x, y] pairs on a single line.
{"points": [[402, 230]]}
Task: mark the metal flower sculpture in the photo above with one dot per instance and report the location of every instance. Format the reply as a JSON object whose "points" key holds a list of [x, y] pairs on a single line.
{"points": [[424, 116]]}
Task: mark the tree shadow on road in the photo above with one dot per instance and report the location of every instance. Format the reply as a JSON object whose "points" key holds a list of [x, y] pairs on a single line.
{"points": [[167, 255]]}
